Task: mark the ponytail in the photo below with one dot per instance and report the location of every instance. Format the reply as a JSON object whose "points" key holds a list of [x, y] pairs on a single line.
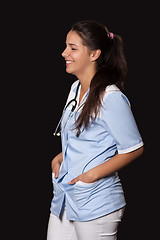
{"points": [[111, 67]]}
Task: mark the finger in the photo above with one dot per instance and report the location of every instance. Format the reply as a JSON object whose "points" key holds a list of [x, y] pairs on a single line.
{"points": [[55, 170], [56, 174], [73, 181]]}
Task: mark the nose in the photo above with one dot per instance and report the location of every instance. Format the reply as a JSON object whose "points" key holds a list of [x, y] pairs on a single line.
{"points": [[65, 53]]}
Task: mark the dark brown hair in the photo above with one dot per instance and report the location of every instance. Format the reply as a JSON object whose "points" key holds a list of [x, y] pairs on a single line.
{"points": [[111, 66]]}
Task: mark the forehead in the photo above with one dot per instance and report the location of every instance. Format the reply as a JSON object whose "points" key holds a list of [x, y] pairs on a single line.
{"points": [[73, 38]]}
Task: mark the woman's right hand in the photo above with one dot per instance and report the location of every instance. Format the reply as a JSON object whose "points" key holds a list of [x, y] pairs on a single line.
{"points": [[56, 163]]}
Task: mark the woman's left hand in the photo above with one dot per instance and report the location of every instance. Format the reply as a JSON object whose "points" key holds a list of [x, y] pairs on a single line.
{"points": [[87, 177], [109, 167]]}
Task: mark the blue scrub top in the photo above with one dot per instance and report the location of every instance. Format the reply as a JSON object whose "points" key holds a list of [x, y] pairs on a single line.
{"points": [[114, 131]]}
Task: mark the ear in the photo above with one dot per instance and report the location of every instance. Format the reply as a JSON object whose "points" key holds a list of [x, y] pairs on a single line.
{"points": [[95, 55]]}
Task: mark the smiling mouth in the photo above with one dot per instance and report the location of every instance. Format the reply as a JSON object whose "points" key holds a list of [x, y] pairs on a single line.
{"points": [[68, 62]]}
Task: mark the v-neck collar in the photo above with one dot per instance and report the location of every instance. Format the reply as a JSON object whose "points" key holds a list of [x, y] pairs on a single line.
{"points": [[78, 97], [83, 98]]}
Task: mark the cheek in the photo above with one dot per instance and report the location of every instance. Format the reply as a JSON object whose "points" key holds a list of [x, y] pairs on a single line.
{"points": [[76, 56], [81, 59]]}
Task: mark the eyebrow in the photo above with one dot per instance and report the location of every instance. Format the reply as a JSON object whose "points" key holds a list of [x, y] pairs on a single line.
{"points": [[72, 44]]}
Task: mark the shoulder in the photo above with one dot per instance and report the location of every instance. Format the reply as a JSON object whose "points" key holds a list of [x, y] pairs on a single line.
{"points": [[114, 94], [110, 89]]}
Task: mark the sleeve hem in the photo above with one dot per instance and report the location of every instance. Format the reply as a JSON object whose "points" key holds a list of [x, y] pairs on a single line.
{"points": [[131, 149]]}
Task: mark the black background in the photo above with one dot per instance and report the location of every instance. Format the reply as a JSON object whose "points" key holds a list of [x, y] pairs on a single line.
{"points": [[37, 87]]}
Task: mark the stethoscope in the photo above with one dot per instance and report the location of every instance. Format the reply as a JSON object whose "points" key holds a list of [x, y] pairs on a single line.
{"points": [[57, 131]]}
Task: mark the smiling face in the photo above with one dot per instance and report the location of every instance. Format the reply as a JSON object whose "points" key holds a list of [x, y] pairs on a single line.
{"points": [[79, 60]]}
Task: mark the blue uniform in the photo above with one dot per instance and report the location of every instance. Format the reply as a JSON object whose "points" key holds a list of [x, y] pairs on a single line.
{"points": [[114, 131]]}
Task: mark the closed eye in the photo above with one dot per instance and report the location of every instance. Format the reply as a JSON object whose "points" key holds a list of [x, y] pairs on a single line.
{"points": [[73, 46]]}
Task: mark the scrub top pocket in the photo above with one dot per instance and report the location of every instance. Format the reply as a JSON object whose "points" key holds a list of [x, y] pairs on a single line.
{"points": [[86, 193]]}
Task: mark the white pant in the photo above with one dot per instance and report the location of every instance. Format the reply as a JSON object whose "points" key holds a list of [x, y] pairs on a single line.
{"points": [[101, 228]]}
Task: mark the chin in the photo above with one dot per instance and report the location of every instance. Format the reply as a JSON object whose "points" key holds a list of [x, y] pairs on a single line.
{"points": [[70, 71]]}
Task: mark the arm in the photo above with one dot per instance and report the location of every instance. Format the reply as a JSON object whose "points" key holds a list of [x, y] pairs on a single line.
{"points": [[116, 163], [109, 167], [56, 163], [120, 124]]}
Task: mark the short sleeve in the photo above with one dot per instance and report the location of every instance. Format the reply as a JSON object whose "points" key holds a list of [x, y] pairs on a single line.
{"points": [[120, 123]]}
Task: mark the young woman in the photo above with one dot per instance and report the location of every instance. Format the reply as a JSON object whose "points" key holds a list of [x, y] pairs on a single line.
{"points": [[99, 136]]}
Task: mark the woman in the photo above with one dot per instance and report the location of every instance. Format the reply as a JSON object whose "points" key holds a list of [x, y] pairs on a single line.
{"points": [[99, 136]]}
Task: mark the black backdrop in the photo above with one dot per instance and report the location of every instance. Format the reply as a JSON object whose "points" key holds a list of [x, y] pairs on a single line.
{"points": [[38, 90]]}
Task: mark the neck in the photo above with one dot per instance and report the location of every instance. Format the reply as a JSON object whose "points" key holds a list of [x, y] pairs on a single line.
{"points": [[85, 80]]}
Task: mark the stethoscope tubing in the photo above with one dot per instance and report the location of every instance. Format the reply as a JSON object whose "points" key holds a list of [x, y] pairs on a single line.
{"points": [[73, 107], [72, 110]]}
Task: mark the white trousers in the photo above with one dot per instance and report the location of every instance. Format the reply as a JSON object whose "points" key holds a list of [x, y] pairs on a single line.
{"points": [[101, 228]]}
